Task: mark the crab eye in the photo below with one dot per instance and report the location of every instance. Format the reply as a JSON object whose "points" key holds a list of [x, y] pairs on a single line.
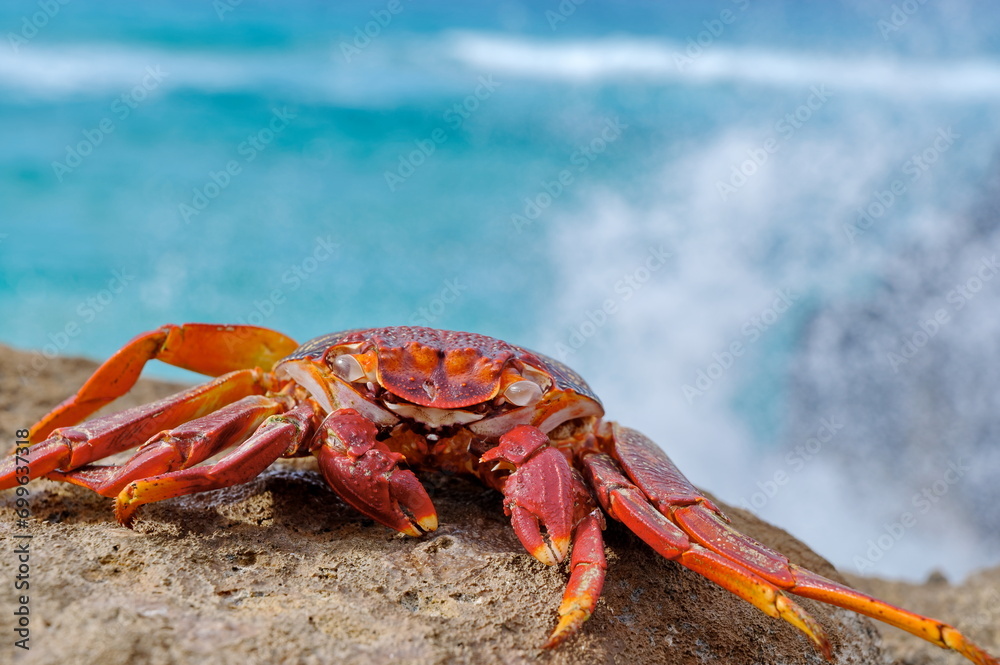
{"points": [[348, 368], [523, 393]]}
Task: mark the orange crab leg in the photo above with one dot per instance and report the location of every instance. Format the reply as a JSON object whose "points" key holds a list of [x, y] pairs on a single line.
{"points": [[181, 447], [710, 531], [277, 435], [69, 448], [366, 474], [704, 524], [628, 504], [200, 347], [586, 581]]}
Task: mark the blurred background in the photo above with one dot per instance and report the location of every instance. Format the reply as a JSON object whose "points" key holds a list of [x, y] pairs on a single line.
{"points": [[766, 232]]}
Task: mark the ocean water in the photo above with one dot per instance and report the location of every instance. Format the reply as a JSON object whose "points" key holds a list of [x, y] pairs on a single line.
{"points": [[766, 232]]}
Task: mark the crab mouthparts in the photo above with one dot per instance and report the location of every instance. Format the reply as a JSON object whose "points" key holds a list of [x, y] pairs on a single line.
{"points": [[432, 417]]}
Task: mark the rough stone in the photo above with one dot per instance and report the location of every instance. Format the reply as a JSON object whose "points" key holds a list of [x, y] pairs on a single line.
{"points": [[278, 570]]}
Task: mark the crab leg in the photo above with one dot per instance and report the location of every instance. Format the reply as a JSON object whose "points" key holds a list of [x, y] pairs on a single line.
{"points": [[703, 523], [365, 474], [181, 447], [586, 581], [200, 347], [71, 447], [628, 504], [707, 529], [277, 435], [545, 491]]}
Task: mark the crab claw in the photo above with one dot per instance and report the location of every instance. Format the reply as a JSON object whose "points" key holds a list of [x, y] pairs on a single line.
{"points": [[365, 474], [538, 494]]}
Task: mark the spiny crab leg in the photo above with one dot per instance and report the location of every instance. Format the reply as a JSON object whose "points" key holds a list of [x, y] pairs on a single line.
{"points": [[690, 514], [627, 503], [586, 581], [208, 349], [366, 474], [181, 447], [544, 491], [278, 435], [710, 531], [69, 448]]}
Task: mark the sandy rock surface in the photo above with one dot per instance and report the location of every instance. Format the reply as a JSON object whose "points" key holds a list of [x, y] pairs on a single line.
{"points": [[280, 571], [973, 607]]}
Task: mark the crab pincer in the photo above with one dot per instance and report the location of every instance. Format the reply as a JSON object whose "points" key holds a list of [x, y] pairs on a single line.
{"points": [[543, 491], [366, 474], [538, 493]]}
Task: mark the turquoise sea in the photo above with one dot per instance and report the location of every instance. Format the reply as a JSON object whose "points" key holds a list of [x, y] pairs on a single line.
{"points": [[766, 232]]}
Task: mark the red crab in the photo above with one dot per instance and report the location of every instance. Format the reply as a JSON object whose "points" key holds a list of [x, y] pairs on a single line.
{"points": [[372, 404]]}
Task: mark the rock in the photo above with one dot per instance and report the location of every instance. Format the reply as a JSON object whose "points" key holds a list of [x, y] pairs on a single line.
{"points": [[278, 570]]}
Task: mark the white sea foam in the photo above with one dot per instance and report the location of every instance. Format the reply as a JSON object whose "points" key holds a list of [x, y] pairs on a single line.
{"points": [[782, 230], [613, 59], [97, 67]]}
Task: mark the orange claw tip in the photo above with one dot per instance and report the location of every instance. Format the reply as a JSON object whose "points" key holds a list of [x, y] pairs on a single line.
{"points": [[418, 526], [412, 503], [549, 551], [552, 552], [125, 514], [793, 614], [411, 531], [560, 546], [126, 507], [568, 625], [427, 523], [956, 641], [397, 519], [401, 520], [544, 554]]}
